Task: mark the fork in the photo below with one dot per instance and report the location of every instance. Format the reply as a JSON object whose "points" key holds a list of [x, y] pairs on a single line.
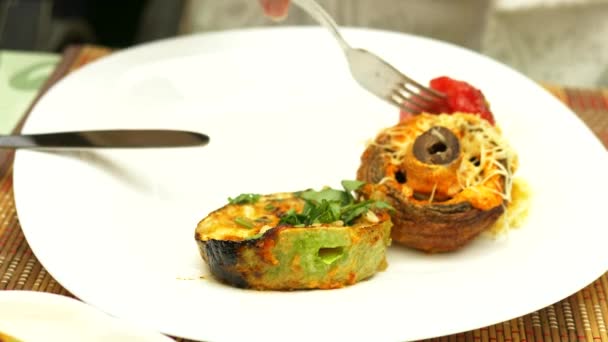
{"points": [[376, 75]]}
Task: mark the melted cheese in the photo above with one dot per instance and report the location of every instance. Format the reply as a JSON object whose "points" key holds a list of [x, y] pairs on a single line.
{"points": [[487, 162], [516, 210], [262, 215]]}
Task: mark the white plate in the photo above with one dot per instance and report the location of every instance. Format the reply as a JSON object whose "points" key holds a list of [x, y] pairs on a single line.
{"points": [[37, 317], [116, 227]]}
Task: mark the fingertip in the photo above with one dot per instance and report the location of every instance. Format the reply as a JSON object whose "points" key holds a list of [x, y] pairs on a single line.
{"points": [[275, 9]]}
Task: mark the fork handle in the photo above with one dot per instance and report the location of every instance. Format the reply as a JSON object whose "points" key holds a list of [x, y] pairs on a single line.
{"points": [[319, 14]]}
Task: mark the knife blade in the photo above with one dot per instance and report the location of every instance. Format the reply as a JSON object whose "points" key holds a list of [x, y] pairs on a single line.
{"points": [[122, 138]]}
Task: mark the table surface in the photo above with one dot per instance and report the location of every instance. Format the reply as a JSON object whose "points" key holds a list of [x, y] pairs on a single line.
{"points": [[579, 317]]}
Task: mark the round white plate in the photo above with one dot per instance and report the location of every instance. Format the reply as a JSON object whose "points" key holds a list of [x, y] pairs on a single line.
{"points": [[116, 228], [44, 317]]}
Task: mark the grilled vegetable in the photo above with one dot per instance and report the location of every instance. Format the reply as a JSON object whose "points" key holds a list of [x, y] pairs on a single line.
{"points": [[287, 241], [7, 338], [447, 176]]}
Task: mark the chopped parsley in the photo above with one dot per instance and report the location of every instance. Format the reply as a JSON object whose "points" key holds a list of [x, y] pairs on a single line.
{"points": [[262, 219], [331, 205], [256, 236], [244, 199], [245, 222]]}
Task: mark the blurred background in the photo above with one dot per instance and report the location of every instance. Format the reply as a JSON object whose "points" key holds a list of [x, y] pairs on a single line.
{"points": [[555, 41]]}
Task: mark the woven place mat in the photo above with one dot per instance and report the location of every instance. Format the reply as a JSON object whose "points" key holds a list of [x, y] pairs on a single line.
{"points": [[580, 317]]}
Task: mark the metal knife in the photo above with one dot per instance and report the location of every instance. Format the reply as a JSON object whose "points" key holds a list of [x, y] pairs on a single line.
{"points": [[127, 138]]}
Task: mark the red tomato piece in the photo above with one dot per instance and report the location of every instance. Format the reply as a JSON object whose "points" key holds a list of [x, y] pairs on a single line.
{"points": [[462, 97]]}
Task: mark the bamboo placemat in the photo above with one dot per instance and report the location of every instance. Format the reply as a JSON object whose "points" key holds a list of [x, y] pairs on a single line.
{"points": [[579, 317]]}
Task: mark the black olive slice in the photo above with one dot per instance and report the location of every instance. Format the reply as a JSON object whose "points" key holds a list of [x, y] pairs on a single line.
{"points": [[437, 146]]}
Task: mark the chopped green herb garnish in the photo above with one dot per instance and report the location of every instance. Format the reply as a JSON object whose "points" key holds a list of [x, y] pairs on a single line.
{"points": [[355, 210], [245, 222], [326, 194], [383, 205], [244, 199], [269, 207], [292, 218], [252, 237], [262, 219], [352, 185], [331, 205]]}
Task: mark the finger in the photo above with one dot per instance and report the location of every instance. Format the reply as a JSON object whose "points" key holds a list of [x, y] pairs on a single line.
{"points": [[275, 9]]}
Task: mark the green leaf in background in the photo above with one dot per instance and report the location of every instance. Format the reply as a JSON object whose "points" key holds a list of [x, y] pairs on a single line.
{"points": [[21, 76], [32, 77]]}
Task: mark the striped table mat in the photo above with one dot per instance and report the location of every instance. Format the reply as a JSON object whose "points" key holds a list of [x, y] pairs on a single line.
{"points": [[579, 317]]}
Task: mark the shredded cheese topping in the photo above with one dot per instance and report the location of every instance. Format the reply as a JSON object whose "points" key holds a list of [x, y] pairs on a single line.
{"points": [[487, 160]]}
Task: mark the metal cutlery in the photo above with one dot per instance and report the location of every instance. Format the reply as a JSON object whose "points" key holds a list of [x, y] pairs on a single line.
{"points": [[125, 138]]}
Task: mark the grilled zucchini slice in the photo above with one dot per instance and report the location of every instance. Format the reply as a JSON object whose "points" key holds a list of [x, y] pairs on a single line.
{"points": [[263, 243], [7, 338]]}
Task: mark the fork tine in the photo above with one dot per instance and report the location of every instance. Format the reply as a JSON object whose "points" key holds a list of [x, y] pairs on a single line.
{"points": [[408, 104], [412, 100], [403, 105], [418, 95], [408, 109], [423, 89]]}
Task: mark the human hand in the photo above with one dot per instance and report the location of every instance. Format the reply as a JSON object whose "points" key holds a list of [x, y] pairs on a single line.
{"points": [[275, 9]]}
